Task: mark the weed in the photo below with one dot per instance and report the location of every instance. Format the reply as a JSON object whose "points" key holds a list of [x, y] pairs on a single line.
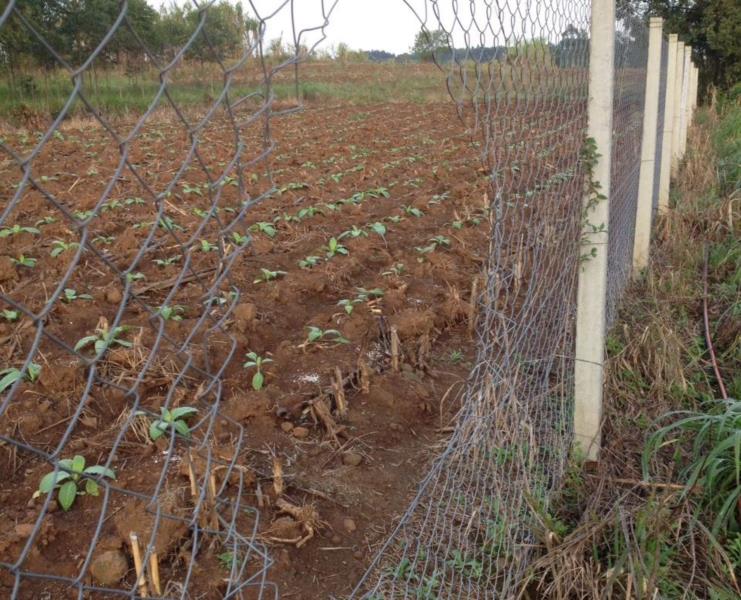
{"points": [[68, 478], [60, 246], [264, 227], [166, 262], [456, 357]]}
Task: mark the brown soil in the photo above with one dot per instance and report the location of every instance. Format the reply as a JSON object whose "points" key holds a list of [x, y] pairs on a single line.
{"points": [[357, 476]]}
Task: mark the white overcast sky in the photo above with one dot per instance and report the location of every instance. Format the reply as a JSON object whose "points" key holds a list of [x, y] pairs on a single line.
{"points": [[392, 24]]}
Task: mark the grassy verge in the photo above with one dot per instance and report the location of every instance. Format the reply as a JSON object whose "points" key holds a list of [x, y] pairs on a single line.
{"points": [[659, 516]]}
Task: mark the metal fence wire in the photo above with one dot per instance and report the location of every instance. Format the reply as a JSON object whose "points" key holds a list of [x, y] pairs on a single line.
{"points": [[477, 515]]}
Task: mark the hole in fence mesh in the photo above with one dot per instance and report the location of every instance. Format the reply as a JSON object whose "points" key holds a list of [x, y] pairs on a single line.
{"points": [[285, 318]]}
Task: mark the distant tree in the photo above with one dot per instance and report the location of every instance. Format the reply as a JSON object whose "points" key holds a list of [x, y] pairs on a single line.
{"points": [[573, 49], [428, 43], [535, 52], [711, 27]]}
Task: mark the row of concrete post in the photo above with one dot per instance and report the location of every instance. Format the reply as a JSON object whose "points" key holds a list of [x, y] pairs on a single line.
{"points": [[680, 101]]}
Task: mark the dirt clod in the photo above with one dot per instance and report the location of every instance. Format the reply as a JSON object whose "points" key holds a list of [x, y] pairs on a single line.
{"points": [[109, 567], [349, 524], [286, 426], [352, 459], [300, 432]]}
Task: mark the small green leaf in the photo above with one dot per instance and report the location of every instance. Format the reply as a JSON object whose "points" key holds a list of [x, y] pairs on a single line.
{"points": [[91, 488], [183, 412], [156, 429], [257, 380], [50, 481], [67, 494], [78, 463], [101, 471], [182, 428]]}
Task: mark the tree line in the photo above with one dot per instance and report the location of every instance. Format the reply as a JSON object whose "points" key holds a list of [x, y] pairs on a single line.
{"points": [[74, 29]]}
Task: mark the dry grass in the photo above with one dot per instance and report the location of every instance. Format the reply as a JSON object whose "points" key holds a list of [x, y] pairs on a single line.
{"points": [[628, 538]]}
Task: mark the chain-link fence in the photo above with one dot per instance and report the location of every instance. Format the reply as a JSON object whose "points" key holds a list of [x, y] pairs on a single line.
{"points": [[145, 274]]}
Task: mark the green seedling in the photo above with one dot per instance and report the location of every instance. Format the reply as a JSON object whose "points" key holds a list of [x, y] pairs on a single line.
{"points": [[379, 192], [68, 478], [199, 212], [457, 224], [137, 276], [10, 315], [456, 357], [239, 239], [378, 228], [169, 224], [227, 560], [413, 211], [175, 419], [353, 233], [24, 261], [134, 201], [268, 275], [333, 206], [368, 295], [17, 230], [171, 313], [9, 376], [469, 567], [308, 212], [316, 335], [59, 246], [188, 189], [166, 262], [254, 360], [440, 240], [104, 239], [103, 338], [112, 205], [206, 246], [333, 248], [264, 227], [47, 220], [71, 295], [394, 218], [309, 262], [83, 215], [396, 270], [438, 198]]}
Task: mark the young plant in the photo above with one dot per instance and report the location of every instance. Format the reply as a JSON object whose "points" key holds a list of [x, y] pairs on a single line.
{"points": [[206, 246], [316, 335], [103, 338], [166, 262], [264, 227], [239, 239], [254, 360], [134, 202], [68, 478], [137, 276], [268, 275], [16, 230], [71, 295], [353, 233], [171, 419], [9, 376], [378, 228], [24, 261], [396, 270], [10, 315], [169, 224], [171, 313], [47, 220], [456, 357], [333, 248], [413, 211], [309, 262], [308, 212]]}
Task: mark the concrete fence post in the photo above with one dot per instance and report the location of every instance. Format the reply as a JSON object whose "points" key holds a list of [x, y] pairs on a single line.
{"points": [[685, 99], [644, 206], [592, 288], [677, 126], [667, 136]]}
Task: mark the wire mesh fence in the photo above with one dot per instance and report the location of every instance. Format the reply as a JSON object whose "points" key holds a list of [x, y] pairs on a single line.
{"points": [[120, 426]]}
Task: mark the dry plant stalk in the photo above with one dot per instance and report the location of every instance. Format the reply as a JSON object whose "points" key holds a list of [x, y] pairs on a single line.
{"points": [[138, 565], [364, 376], [307, 516], [472, 305], [154, 572], [395, 349], [278, 483], [339, 393], [322, 413]]}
